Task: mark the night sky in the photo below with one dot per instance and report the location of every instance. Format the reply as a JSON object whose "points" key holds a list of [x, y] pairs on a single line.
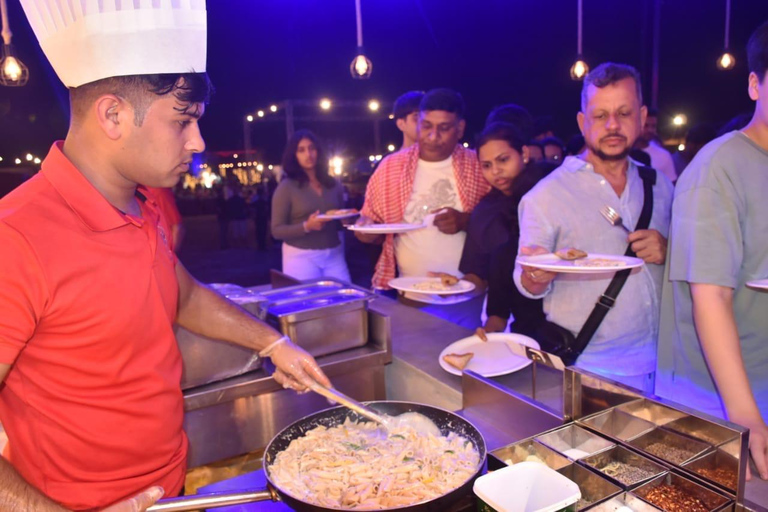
{"points": [[492, 51]]}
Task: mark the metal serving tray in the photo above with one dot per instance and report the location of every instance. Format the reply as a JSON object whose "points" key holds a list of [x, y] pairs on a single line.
{"points": [[594, 488], [703, 430], [575, 442], [526, 450], [670, 447], [711, 500], [655, 413], [617, 424], [619, 454], [718, 467], [624, 503]]}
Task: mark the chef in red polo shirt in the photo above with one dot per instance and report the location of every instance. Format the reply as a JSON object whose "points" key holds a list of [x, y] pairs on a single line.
{"points": [[89, 286]]}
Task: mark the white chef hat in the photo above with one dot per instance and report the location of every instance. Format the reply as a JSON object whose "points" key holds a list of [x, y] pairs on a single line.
{"points": [[87, 40]]}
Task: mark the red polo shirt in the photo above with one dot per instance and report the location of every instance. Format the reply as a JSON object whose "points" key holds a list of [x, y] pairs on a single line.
{"points": [[92, 404]]}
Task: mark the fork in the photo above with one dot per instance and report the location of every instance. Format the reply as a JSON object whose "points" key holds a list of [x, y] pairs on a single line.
{"points": [[613, 217]]}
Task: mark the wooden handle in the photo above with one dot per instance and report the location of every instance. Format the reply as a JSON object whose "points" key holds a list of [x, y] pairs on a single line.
{"points": [[348, 402]]}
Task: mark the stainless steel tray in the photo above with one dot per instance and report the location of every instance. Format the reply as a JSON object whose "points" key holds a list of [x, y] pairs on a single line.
{"points": [[617, 424], [650, 411], [594, 488], [717, 467], [669, 446], [706, 431], [529, 449], [606, 460], [710, 499], [575, 442]]}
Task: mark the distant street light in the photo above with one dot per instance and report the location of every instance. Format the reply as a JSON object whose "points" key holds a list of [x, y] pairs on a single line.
{"points": [[391, 147], [373, 105], [273, 108], [325, 104], [679, 120], [249, 118], [260, 113]]}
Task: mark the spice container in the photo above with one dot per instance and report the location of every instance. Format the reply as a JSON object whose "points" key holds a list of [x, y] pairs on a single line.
{"points": [[618, 425], [623, 467], [593, 487], [575, 442], [671, 447], [651, 411], [530, 451], [624, 503], [674, 493], [718, 467], [703, 430]]}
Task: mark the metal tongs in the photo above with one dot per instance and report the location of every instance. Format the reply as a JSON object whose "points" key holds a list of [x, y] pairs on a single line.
{"points": [[414, 420]]}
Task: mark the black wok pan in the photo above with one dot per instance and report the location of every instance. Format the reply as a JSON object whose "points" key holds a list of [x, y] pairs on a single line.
{"points": [[446, 421]]}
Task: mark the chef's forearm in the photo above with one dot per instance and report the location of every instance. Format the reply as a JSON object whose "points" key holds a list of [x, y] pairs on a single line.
{"points": [[16, 494], [205, 312]]}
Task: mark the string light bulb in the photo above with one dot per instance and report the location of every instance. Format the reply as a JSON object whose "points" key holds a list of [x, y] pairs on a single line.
{"points": [[13, 72], [361, 66], [726, 61], [579, 69]]}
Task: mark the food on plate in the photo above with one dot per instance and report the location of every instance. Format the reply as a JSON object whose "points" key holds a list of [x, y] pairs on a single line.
{"points": [[599, 262], [448, 279], [458, 361], [357, 466], [345, 211], [434, 286], [569, 253]]}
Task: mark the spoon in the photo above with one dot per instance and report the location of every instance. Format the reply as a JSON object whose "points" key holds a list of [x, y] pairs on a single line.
{"points": [[414, 420]]}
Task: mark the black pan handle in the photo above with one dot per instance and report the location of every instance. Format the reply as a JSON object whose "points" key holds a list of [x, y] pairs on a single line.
{"points": [[213, 500]]}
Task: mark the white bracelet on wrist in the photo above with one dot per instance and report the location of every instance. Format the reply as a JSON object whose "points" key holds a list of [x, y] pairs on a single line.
{"points": [[269, 349]]}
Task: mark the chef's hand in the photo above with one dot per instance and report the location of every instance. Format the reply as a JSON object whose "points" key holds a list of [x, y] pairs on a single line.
{"points": [[758, 441], [535, 280], [313, 223], [367, 238], [138, 503], [450, 221], [649, 245], [296, 369]]}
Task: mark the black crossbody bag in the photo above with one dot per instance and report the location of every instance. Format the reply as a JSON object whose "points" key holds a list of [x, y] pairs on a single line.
{"points": [[561, 342]]}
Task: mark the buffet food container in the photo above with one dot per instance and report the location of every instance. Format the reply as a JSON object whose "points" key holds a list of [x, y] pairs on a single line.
{"points": [[323, 317], [706, 431], [670, 447], [624, 467], [574, 442], [718, 467], [672, 492], [618, 425], [650, 411], [528, 486], [593, 487], [530, 451]]}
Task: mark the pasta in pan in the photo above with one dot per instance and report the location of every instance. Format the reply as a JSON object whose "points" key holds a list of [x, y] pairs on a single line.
{"points": [[362, 467]]}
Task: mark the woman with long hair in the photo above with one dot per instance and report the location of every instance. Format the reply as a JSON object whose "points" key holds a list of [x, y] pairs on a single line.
{"points": [[311, 245], [493, 232]]}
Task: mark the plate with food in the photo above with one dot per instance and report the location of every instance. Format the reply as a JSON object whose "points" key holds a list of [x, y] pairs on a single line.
{"points": [[490, 358], [385, 229], [344, 213], [575, 261], [443, 285], [760, 284]]}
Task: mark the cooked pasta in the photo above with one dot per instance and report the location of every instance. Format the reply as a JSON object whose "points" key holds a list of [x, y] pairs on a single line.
{"points": [[362, 467]]}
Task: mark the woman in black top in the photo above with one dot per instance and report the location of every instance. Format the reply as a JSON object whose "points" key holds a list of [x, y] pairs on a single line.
{"points": [[493, 232]]}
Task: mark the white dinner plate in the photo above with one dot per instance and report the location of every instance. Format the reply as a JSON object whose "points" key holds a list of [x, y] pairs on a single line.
{"points": [[440, 300], [760, 284], [551, 262], [339, 216], [413, 284], [491, 358], [384, 229]]}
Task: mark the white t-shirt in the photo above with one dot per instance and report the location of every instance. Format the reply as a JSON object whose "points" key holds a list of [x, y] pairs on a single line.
{"points": [[661, 160], [424, 250]]}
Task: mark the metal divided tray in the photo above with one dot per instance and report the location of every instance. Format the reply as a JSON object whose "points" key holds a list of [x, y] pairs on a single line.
{"points": [[530, 450], [574, 442], [617, 424], [670, 447], [674, 492], [624, 467], [593, 487]]}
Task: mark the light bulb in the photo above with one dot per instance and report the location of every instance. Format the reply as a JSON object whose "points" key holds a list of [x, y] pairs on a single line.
{"points": [[579, 69], [260, 113], [726, 61], [11, 69], [373, 105], [325, 104], [273, 108], [679, 120], [361, 67]]}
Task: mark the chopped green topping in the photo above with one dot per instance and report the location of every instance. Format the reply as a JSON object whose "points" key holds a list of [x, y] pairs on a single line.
{"points": [[407, 459], [397, 436], [450, 451], [354, 446]]}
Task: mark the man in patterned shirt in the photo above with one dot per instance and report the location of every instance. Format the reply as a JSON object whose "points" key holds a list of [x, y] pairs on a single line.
{"points": [[436, 177]]}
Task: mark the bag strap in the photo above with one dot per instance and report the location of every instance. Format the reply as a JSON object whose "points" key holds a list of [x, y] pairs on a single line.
{"points": [[608, 298]]}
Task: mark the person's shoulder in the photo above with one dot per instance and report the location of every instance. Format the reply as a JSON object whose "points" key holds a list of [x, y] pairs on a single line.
{"points": [[715, 160], [554, 181], [30, 200]]}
